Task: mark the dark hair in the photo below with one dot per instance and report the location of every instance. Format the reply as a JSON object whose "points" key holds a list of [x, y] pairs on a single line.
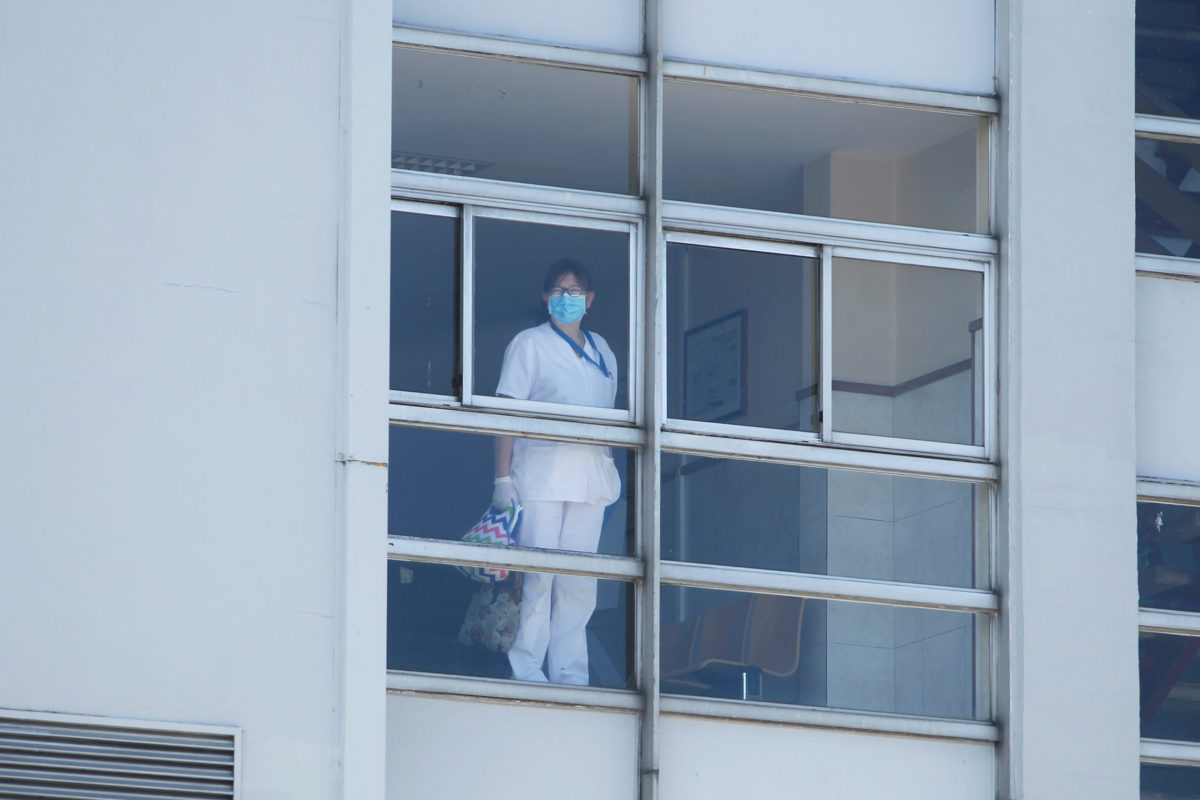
{"points": [[562, 267]]}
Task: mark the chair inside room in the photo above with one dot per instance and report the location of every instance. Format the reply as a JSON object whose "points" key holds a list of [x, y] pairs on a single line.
{"points": [[724, 651]]}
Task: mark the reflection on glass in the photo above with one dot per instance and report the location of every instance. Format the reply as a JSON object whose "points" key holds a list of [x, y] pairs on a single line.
{"points": [[1170, 782], [1170, 681], [779, 152], [1167, 176], [907, 351], [742, 337], [509, 121], [440, 621], [1168, 58], [818, 653], [424, 349], [1169, 556], [513, 263], [440, 483], [821, 521]]}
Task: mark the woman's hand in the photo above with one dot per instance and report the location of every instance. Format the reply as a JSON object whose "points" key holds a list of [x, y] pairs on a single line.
{"points": [[505, 494]]}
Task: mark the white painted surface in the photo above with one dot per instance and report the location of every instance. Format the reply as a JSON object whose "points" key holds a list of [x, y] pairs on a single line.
{"points": [[1168, 379], [931, 44], [168, 302], [704, 759], [454, 749], [1068, 661], [609, 25]]}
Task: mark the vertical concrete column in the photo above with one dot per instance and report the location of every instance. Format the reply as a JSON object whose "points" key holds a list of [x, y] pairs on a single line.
{"points": [[1068, 688]]}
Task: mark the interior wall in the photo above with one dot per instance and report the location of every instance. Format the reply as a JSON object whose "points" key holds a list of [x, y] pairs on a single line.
{"points": [[170, 265]]}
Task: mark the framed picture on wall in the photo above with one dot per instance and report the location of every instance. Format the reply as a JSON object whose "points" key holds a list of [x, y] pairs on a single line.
{"points": [[714, 369]]}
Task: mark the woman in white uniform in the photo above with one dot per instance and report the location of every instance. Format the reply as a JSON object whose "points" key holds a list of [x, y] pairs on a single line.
{"points": [[564, 488]]}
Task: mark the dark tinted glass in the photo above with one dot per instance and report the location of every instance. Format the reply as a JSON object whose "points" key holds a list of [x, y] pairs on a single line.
{"points": [[440, 484], [1167, 177], [424, 346], [781, 152], [441, 621], [907, 351], [1170, 681], [1168, 58], [509, 121], [1168, 782], [742, 337], [511, 261], [818, 653], [827, 522], [1169, 556]]}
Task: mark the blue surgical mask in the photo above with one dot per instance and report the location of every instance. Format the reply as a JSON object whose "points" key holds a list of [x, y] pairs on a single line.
{"points": [[567, 309]]}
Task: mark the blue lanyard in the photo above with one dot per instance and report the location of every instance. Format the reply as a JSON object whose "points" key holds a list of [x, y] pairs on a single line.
{"points": [[581, 352]]}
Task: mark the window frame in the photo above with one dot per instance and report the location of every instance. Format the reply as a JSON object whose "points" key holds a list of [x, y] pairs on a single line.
{"points": [[976, 464]]}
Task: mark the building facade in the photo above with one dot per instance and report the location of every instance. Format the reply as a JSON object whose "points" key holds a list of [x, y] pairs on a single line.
{"points": [[902, 422]]}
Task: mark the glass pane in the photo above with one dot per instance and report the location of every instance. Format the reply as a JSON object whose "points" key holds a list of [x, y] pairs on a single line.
{"points": [[611, 25], [441, 621], [1168, 198], [819, 653], [424, 341], [780, 152], [822, 521], [517, 352], [1168, 58], [1168, 782], [510, 121], [441, 483], [907, 351], [1169, 556], [1170, 680], [742, 337]]}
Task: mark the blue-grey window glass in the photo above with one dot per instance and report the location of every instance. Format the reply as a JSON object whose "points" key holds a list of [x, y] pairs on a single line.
{"points": [[781, 152], [1169, 556], [1168, 58], [511, 263], [440, 483], [742, 337], [441, 621], [1170, 683], [828, 522], [1170, 782], [908, 351], [505, 120], [424, 317], [819, 653], [1167, 177]]}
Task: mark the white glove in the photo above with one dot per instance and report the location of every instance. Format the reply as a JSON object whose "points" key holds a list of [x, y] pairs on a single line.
{"points": [[505, 494]]}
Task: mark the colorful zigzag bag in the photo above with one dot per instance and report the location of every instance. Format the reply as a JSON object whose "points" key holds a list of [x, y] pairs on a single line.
{"points": [[496, 527]]}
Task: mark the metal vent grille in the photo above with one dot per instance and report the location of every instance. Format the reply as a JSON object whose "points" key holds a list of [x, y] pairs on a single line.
{"points": [[44, 757]]}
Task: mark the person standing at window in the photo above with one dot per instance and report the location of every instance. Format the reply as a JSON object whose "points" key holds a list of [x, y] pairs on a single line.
{"points": [[563, 487]]}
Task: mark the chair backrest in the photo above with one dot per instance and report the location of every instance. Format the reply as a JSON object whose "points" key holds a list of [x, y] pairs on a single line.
{"points": [[773, 633]]}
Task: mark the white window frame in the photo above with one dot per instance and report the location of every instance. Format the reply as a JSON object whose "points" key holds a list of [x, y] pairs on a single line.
{"points": [[647, 313]]}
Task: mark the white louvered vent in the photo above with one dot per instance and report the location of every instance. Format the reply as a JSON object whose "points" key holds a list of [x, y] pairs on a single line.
{"points": [[84, 758]]}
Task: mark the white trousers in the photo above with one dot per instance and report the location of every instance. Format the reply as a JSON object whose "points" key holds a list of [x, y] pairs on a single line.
{"points": [[555, 609]]}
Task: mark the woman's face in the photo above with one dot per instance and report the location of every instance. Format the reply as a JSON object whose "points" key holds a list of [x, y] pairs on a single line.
{"points": [[568, 281]]}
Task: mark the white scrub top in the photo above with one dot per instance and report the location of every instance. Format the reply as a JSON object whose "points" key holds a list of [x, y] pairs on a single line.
{"points": [[540, 365]]}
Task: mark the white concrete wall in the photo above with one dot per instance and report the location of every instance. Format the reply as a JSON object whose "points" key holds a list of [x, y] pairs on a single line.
{"points": [[444, 748], [1168, 379], [167, 303], [933, 44], [703, 759], [1068, 686]]}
